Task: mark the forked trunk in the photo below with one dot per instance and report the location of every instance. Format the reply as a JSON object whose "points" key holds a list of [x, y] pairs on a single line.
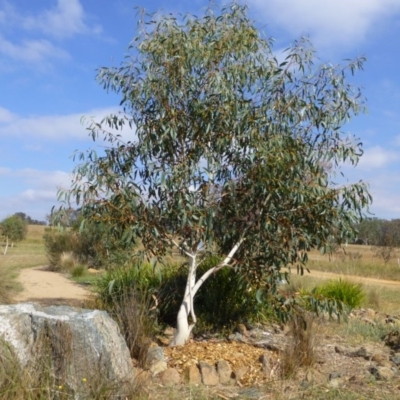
{"points": [[183, 328]]}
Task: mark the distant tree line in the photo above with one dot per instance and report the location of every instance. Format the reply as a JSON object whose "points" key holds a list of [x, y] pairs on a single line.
{"points": [[28, 220], [379, 232]]}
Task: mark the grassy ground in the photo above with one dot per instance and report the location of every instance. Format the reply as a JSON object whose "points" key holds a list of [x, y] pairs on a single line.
{"points": [[28, 253], [357, 260]]}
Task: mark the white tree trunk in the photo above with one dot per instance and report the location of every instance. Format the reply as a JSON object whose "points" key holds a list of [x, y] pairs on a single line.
{"points": [[6, 248], [183, 329]]}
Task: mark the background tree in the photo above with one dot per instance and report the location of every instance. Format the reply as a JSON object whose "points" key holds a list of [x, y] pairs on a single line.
{"points": [[382, 234], [13, 229], [28, 220], [227, 153]]}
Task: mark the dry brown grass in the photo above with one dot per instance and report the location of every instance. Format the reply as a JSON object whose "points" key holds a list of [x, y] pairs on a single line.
{"points": [[356, 260], [300, 350], [47, 375]]}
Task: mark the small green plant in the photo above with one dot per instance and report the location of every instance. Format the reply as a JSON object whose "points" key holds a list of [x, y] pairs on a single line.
{"points": [[361, 331], [342, 290], [78, 270]]}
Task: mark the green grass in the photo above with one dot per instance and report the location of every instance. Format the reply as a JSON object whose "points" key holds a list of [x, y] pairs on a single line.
{"points": [[87, 278], [380, 297], [360, 332], [350, 293], [28, 253]]}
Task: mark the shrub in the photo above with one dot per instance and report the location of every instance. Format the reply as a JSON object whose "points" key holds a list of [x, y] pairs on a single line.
{"points": [[349, 293], [225, 299], [58, 243]]}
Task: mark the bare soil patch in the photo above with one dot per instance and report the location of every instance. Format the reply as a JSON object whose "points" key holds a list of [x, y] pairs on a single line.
{"points": [[49, 288]]}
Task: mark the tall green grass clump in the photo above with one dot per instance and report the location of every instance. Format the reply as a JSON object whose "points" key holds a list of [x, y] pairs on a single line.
{"points": [[128, 294], [342, 290]]}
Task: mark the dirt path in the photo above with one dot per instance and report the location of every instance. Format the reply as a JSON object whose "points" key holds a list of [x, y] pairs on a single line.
{"points": [[49, 288]]}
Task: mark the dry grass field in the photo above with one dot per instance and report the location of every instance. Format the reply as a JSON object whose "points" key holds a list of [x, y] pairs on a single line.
{"points": [[357, 260]]}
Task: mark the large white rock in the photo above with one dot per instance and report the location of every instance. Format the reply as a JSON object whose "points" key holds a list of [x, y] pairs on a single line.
{"points": [[81, 343]]}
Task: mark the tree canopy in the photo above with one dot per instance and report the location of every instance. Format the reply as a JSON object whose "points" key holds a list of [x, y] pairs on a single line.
{"points": [[13, 229], [231, 151]]}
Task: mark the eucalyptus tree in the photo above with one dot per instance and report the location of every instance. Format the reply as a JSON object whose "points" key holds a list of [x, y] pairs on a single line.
{"points": [[13, 229], [230, 150]]}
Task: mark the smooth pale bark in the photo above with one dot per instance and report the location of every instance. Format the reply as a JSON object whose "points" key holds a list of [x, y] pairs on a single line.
{"points": [[183, 329], [6, 248]]}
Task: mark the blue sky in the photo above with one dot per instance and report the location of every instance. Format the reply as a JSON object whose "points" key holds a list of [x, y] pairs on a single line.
{"points": [[50, 50]]}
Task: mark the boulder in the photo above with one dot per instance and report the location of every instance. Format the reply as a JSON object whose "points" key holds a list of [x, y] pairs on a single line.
{"points": [[79, 346], [209, 374]]}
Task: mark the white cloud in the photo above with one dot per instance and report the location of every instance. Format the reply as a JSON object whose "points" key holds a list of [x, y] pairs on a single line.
{"points": [[53, 127], [340, 22], [36, 191], [65, 20], [6, 116], [385, 190], [376, 157], [31, 50]]}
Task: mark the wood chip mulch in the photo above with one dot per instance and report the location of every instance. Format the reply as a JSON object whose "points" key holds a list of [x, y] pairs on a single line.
{"points": [[238, 355]]}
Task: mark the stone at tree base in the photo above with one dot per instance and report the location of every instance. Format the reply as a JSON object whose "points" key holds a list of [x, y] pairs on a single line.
{"points": [[224, 371], [80, 342], [209, 375], [193, 375], [170, 377], [155, 360], [154, 354], [239, 373]]}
